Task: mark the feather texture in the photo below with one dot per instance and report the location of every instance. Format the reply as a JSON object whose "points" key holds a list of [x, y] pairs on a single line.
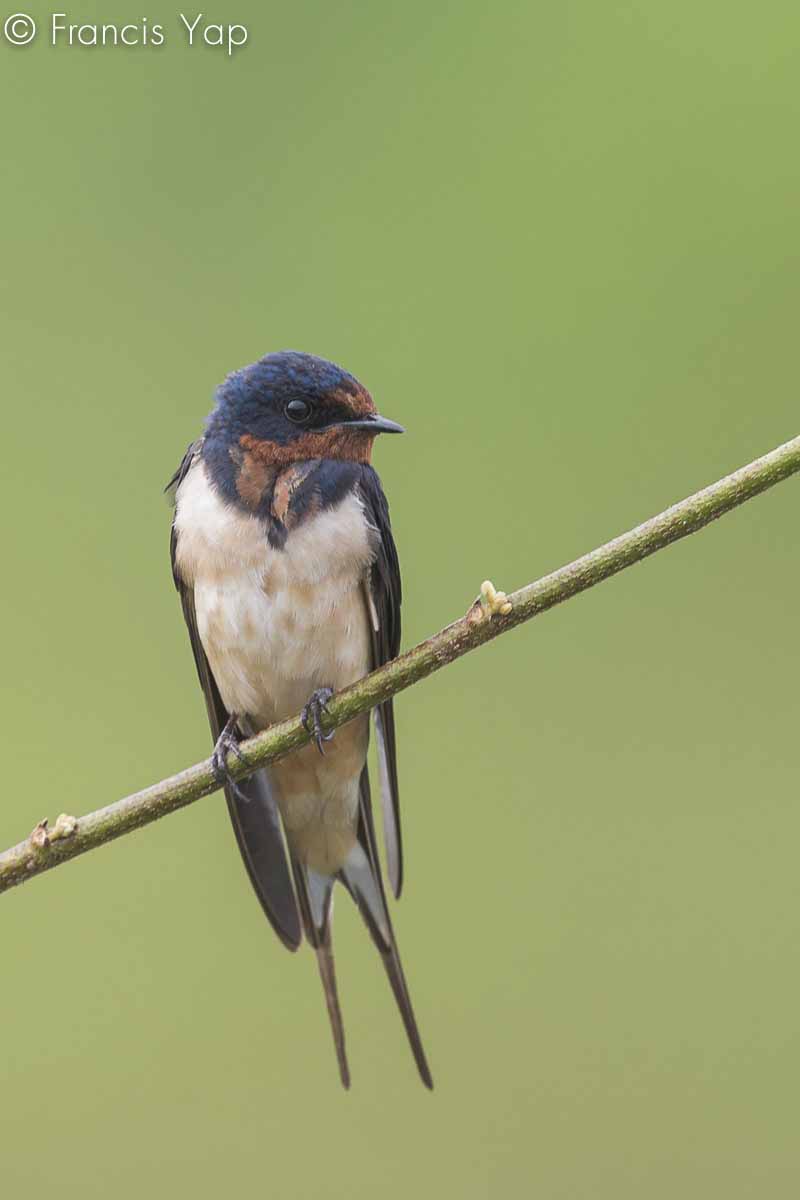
{"points": [[384, 596], [270, 621], [253, 811]]}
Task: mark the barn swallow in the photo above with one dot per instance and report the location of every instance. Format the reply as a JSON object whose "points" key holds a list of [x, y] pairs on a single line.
{"points": [[283, 556]]}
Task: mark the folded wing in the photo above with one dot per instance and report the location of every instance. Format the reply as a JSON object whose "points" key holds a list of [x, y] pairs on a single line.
{"points": [[253, 811], [383, 596]]}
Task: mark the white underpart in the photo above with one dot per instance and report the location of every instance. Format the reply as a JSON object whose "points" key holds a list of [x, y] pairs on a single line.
{"points": [[275, 626]]}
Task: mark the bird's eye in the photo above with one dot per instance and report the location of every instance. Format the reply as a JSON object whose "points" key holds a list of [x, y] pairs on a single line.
{"points": [[298, 411]]}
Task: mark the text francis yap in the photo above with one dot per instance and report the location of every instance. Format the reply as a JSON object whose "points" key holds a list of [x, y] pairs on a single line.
{"points": [[61, 30]]}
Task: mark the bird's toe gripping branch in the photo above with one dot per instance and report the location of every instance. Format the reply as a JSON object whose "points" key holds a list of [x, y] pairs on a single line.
{"points": [[490, 603], [312, 714], [227, 743]]}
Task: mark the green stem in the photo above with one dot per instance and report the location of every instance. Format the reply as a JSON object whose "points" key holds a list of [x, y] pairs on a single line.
{"points": [[43, 850]]}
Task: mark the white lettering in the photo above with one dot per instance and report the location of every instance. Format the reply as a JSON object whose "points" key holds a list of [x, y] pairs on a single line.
{"points": [[56, 28], [191, 28], [233, 42]]}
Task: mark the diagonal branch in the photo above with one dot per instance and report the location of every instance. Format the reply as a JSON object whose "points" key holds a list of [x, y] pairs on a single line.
{"points": [[485, 620]]}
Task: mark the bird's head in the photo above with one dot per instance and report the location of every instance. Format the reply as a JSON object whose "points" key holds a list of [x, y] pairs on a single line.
{"points": [[289, 407]]}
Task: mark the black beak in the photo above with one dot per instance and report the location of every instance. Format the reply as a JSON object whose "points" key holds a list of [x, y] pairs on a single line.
{"points": [[374, 424]]}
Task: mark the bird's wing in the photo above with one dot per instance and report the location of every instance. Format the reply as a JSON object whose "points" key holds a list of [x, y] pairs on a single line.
{"points": [[383, 595], [253, 811]]}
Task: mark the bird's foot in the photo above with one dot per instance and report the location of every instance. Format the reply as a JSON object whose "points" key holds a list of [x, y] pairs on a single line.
{"points": [[490, 603], [227, 743], [312, 713]]}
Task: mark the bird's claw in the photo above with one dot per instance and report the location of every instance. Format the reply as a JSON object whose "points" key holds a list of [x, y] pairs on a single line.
{"points": [[227, 743], [311, 716]]}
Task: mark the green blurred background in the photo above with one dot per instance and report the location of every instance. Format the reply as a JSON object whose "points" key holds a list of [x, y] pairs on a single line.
{"points": [[560, 243]]}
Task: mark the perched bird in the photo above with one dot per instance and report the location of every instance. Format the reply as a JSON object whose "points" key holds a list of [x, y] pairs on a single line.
{"points": [[283, 556]]}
